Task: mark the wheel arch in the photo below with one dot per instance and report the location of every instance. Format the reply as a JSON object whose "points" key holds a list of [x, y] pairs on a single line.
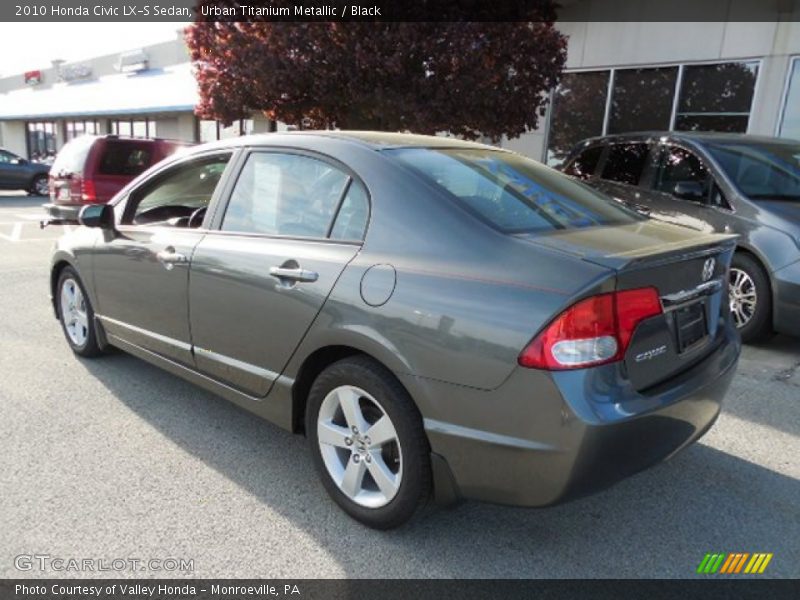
{"points": [[316, 362], [55, 272]]}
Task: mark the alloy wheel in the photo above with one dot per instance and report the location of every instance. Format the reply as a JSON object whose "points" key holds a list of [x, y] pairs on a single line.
{"points": [[743, 297], [359, 446], [73, 312], [40, 187]]}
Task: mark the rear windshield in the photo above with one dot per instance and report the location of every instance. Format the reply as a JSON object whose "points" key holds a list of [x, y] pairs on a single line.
{"points": [[124, 158], [512, 193], [72, 157], [762, 171]]}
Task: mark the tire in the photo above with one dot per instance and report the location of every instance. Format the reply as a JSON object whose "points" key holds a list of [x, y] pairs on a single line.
{"points": [[750, 298], [401, 463], [39, 186], [76, 314]]}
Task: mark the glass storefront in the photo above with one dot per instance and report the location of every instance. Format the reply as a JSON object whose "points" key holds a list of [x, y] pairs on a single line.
{"points": [[790, 119], [42, 139], [73, 129], [211, 131], [706, 97]]}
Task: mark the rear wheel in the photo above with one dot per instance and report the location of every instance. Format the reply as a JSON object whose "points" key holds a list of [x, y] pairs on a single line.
{"points": [[750, 298], [76, 314], [368, 443], [39, 186]]}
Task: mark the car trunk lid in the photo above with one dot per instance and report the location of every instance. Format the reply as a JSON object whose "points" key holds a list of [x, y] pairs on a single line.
{"points": [[689, 271]]}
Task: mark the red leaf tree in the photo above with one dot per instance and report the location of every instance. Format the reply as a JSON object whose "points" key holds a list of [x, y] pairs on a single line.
{"points": [[468, 78]]}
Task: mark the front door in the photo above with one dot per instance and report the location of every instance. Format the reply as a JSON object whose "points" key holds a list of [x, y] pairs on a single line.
{"points": [[141, 270], [684, 192], [292, 224]]}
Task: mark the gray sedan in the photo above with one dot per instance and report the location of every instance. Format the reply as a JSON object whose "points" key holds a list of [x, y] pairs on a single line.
{"points": [[441, 319]]}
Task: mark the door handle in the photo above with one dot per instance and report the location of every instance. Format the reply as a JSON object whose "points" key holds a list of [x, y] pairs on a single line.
{"points": [[295, 274], [169, 258]]}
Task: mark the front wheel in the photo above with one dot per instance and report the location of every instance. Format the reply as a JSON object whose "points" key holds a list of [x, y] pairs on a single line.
{"points": [[76, 314], [750, 298], [368, 443]]}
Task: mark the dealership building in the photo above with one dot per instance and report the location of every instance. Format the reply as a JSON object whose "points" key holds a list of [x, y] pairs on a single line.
{"points": [[146, 92], [729, 74]]}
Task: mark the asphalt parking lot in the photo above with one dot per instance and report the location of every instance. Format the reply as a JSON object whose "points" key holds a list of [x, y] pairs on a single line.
{"points": [[113, 458]]}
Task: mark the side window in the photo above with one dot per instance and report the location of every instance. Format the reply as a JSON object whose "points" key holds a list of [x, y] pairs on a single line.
{"points": [[625, 163], [179, 196], [285, 194], [6, 157], [351, 221], [585, 164], [120, 158], [681, 166]]}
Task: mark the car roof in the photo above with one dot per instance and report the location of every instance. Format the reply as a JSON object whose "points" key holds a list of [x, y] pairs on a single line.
{"points": [[700, 137], [377, 140]]}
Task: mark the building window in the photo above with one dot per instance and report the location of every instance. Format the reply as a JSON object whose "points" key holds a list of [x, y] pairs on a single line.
{"points": [[42, 139], [641, 99], [790, 120], [578, 112], [134, 127], [716, 97], [710, 97], [211, 131], [73, 129]]}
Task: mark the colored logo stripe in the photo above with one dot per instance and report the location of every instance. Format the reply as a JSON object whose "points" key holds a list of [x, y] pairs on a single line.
{"points": [[734, 562]]}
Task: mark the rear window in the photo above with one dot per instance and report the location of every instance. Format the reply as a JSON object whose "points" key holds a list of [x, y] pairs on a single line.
{"points": [[120, 158], [72, 157], [512, 193], [762, 171], [625, 163]]}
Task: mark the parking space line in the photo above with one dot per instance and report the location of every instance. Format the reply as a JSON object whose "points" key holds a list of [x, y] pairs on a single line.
{"points": [[16, 232]]}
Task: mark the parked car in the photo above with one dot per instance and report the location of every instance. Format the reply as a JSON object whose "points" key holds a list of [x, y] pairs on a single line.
{"points": [[17, 173], [716, 182], [91, 169], [431, 313]]}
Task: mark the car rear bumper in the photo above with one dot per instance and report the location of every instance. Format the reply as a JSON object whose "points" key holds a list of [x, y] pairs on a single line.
{"points": [[786, 317], [566, 445]]}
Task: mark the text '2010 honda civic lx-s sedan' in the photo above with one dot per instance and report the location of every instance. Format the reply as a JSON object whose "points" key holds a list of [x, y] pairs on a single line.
{"points": [[440, 318]]}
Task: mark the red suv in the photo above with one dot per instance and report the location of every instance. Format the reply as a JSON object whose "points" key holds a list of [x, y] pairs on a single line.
{"points": [[91, 169]]}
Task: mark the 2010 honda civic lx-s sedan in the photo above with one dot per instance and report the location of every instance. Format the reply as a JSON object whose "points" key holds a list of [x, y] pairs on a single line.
{"points": [[440, 318]]}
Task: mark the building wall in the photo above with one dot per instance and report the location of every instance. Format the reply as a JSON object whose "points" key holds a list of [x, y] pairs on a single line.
{"points": [[604, 44], [12, 136]]}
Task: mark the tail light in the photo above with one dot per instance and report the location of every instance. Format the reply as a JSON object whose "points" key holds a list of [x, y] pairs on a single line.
{"points": [[594, 331], [88, 191]]}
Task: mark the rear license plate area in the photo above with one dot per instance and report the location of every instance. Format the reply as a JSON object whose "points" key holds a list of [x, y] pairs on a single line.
{"points": [[690, 325], [64, 193]]}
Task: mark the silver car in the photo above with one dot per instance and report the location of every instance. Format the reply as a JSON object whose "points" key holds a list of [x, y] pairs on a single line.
{"points": [[441, 319]]}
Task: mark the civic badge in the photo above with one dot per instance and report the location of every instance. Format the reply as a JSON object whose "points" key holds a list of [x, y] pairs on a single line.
{"points": [[708, 268]]}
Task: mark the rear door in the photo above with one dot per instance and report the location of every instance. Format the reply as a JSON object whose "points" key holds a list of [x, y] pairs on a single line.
{"points": [[12, 174], [292, 223]]}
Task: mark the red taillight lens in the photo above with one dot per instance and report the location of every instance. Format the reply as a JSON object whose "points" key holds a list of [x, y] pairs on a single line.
{"points": [[88, 191], [594, 331]]}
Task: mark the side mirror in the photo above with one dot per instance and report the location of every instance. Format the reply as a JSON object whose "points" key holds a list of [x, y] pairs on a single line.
{"points": [[97, 215], [689, 190]]}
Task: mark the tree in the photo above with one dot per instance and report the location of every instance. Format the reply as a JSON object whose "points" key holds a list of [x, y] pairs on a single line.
{"points": [[468, 78]]}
